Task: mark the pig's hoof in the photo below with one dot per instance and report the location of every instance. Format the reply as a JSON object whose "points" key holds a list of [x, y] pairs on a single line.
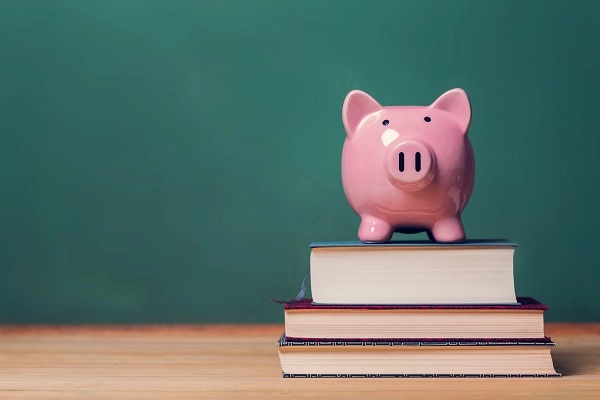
{"points": [[373, 230], [449, 229]]}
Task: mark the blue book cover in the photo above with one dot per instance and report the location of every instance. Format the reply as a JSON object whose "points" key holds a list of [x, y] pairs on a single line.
{"points": [[419, 243]]}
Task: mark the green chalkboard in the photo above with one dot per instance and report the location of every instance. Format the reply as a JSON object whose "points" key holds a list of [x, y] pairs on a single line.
{"points": [[170, 161]]}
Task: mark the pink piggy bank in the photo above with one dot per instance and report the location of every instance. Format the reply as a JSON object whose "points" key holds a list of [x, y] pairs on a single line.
{"points": [[408, 168]]}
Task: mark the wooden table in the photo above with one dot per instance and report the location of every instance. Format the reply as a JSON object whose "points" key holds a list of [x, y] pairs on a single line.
{"points": [[233, 362]]}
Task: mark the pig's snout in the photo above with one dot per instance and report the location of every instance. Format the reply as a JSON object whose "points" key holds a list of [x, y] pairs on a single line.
{"points": [[410, 165]]}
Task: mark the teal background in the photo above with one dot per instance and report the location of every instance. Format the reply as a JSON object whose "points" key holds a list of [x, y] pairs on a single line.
{"points": [[170, 161]]}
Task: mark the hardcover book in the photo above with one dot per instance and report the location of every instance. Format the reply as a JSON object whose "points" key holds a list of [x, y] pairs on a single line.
{"points": [[396, 358], [305, 319], [413, 272]]}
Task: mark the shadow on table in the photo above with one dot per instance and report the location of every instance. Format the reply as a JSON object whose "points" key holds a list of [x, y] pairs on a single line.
{"points": [[571, 361]]}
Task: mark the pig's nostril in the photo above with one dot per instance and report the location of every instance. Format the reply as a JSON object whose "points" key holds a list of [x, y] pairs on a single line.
{"points": [[418, 161], [401, 161]]}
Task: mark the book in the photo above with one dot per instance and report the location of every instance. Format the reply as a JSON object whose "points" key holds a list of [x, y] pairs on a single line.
{"points": [[413, 272], [304, 319], [393, 358]]}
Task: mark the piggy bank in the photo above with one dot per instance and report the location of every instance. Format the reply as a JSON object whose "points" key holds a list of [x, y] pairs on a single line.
{"points": [[408, 169]]}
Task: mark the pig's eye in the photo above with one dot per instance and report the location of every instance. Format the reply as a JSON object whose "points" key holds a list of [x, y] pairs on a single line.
{"points": [[427, 119], [386, 122]]}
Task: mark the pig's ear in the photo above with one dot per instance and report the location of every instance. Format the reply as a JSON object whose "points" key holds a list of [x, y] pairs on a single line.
{"points": [[357, 106], [456, 102]]}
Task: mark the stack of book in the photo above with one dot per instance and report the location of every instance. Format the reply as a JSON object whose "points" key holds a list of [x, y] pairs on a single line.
{"points": [[414, 309]]}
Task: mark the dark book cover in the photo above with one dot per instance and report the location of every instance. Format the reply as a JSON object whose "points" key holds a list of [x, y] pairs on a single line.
{"points": [[420, 243], [556, 375], [525, 303], [367, 342]]}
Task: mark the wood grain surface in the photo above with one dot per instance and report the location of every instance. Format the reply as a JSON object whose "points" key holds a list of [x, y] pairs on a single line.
{"points": [[240, 361]]}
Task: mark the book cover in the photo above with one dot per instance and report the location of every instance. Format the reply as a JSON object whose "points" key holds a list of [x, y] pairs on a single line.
{"points": [[419, 243], [285, 341], [523, 303]]}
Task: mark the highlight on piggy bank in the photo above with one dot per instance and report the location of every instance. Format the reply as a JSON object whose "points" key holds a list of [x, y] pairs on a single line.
{"points": [[408, 169]]}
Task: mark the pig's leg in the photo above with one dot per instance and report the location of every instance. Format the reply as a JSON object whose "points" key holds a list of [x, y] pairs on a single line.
{"points": [[448, 229], [374, 230]]}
